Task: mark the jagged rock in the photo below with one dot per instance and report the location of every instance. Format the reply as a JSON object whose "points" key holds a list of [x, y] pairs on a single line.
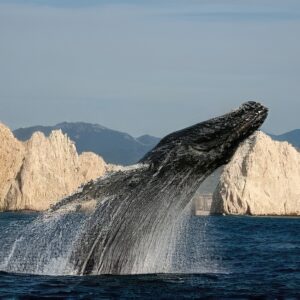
{"points": [[11, 159], [36, 173], [261, 179]]}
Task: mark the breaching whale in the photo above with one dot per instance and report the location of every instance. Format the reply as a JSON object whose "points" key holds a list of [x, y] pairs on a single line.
{"points": [[134, 210]]}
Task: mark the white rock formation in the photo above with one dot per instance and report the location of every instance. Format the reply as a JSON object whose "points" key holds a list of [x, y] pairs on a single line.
{"points": [[11, 160], [39, 172], [263, 178]]}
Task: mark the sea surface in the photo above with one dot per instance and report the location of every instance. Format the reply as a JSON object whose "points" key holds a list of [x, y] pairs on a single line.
{"points": [[242, 258]]}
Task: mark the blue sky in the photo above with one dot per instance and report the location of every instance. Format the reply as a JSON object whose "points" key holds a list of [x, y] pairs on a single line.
{"points": [[148, 66]]}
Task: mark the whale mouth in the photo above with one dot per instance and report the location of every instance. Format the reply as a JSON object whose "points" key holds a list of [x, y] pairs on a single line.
{"points": [[255, 114], [239, 123], [219, 134], [246, 119]]}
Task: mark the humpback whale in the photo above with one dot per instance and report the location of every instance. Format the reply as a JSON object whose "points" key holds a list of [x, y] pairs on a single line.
{"points": [[131, 213]]}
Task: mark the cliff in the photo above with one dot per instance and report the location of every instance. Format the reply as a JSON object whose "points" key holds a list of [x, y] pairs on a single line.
{"points": [[261, 179], [11, 159], [37, 173]]}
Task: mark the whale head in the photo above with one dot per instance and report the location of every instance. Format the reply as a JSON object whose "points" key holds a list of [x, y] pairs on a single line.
{"points": [[213, 141]]}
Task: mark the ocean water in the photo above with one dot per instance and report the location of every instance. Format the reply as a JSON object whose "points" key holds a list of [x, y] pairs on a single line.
{"points": [[225, 258]]}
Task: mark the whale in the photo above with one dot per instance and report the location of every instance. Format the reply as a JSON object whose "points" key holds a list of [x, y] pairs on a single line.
{"points": [[128, 218]]}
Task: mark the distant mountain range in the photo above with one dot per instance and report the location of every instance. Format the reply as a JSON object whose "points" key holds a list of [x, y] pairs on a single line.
{"points": [[114, 146], [293, 137]]}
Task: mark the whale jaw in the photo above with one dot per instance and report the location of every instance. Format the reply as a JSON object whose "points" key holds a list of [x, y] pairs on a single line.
{"points": [[212, 140]]}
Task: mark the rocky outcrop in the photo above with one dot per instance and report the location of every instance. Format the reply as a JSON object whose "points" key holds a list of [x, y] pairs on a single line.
{"points": [[261, 179], [37, 173], [11, 159]]}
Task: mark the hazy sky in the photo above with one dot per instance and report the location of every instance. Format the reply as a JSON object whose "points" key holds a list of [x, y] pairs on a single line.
{"points": [[148, 66]]}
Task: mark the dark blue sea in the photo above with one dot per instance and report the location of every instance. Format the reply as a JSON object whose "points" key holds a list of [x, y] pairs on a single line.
{"points": [[243, 258]]}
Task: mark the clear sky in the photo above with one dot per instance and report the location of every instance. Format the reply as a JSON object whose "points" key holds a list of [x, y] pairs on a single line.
{"points": [[148, 66]]}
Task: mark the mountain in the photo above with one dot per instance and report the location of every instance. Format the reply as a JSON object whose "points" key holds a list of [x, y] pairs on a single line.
{"points": [[114, 146], [293, 137], [36, 173], [261, 179], [148, 140]]}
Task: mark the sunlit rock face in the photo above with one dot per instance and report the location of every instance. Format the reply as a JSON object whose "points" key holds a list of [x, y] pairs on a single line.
{"points": [[261, 179], [11, 159], [36, 173]]}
